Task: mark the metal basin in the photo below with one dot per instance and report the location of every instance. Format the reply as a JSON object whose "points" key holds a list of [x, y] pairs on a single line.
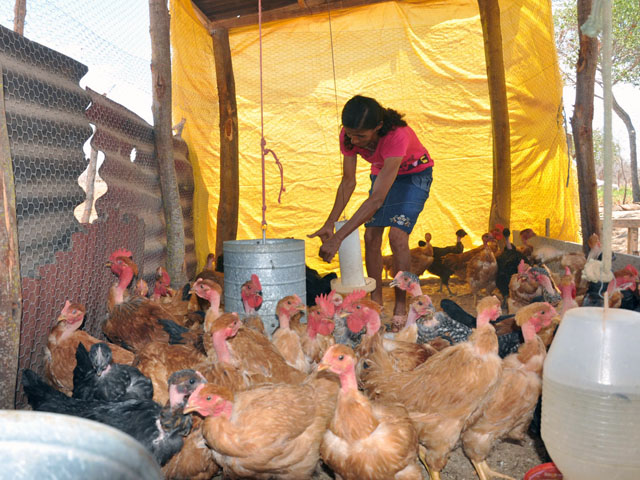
{"points": [[39, 445]]}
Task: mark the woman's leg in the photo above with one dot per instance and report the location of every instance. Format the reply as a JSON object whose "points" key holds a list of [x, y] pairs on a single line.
{"points": [[399, 242], [373, 259]]}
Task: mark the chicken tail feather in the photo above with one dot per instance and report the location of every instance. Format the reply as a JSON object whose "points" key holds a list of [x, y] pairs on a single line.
{"points": [[174, 330]]}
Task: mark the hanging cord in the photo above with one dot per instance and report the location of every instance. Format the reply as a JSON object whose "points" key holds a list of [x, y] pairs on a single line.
{"points": [[335, 94], [263, 142]]}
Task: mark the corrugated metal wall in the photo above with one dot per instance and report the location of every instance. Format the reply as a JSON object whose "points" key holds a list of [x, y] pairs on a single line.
{"points": [[49, 119]]}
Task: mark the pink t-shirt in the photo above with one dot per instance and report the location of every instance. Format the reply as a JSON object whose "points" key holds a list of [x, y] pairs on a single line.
{"points": [[399, 142]]}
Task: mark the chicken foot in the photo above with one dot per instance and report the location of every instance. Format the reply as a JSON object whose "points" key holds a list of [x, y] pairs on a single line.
{"points": [[485, 472], [422, 453]]}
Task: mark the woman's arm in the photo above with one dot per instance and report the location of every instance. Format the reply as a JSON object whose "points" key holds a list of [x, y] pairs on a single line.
{"points": [[381, 187], [345, 190]]}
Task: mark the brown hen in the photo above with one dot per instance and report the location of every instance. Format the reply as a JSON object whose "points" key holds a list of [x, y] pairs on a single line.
{"points": [[510, 408], [62, 343], [268, 432], [365, 439], [135, 321], [444, 393]]}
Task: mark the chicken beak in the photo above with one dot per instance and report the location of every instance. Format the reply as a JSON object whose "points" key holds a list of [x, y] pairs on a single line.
{"points": [[189, 408], [393, 283], [108, 264], [322, 366]]}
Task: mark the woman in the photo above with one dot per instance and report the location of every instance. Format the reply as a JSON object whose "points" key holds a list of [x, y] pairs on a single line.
{"points": [[401, 174]]}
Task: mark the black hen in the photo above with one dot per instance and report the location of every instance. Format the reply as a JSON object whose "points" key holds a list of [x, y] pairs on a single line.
{"points": [[317, 284], [160, 430], [440, 269], [96, 377], [508, 262]]}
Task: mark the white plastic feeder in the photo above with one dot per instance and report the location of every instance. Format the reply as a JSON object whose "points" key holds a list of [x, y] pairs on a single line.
{"points": [[351, 272]]}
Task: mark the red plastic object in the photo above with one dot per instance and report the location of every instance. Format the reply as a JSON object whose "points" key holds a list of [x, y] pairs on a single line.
{"points": [[546, 471]]}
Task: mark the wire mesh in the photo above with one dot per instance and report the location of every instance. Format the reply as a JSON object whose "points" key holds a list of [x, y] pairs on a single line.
{"points": [[49, 120]]}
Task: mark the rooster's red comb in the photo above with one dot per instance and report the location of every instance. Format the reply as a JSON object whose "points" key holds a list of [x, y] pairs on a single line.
{"points": [[256, 281], [325, 303], [121, 252]]}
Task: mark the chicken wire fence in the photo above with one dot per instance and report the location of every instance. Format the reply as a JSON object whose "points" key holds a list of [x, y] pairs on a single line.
{"points": [[77, 85]]}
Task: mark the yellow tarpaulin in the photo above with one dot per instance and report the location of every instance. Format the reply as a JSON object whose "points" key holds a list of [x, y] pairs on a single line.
{"points": [[424, 59]]}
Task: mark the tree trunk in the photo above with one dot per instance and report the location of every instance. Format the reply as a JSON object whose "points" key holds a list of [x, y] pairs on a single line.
{"points": [[19, 14], [161, 109], [501, 196], [90, 186], [633, 155], [10, 282], [581, 125], [227, 228]]}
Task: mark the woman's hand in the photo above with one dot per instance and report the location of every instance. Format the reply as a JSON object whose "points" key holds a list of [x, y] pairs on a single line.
{"points": [[324, 233], [329, 248]]}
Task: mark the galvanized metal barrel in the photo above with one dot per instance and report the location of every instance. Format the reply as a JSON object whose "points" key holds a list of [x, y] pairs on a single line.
{"points": [[49, 445], [278, 263]]}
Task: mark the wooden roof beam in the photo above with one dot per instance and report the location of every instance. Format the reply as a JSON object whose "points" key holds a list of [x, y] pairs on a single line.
{"points": [[311, 7]]}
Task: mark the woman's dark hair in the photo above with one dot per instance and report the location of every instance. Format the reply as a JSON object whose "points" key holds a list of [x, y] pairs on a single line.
{"points": [[364, 113]]}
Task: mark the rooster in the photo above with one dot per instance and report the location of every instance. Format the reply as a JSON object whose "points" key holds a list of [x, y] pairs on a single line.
{"points": [[421, 258], [457, 262], [318, 336], [438, 267], [507, 265], [251, 294]]}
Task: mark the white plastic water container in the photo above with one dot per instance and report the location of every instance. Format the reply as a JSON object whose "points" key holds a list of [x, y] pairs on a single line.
{"points": [[591, 395]]}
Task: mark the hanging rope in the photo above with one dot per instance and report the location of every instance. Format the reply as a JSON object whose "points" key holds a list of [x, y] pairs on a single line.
{"points": [[335, 92], [263, 142]]}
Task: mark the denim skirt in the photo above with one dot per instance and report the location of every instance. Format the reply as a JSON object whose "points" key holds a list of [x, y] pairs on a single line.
{"points": [[404, 202]]}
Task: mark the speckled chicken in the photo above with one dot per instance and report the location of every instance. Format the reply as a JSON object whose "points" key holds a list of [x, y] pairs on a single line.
{"points": [[433, 325], [366, 439], [510, 408]]}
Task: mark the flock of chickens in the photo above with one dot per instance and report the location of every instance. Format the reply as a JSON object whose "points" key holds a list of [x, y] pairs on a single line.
{"points": [[208, 392]]}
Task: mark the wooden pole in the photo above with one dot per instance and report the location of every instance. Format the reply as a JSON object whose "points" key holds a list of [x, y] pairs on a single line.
{"points": [[581, 125], [227, 227], [492, 34], [161, 109], [19, 14], [10, 281]]}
